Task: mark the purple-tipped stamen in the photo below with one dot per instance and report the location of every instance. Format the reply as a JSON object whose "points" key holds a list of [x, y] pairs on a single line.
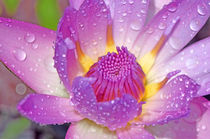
{"points": [[117, 74]]}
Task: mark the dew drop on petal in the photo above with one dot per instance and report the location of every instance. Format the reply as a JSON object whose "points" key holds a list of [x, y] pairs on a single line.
{"points": [[20, 55], [194, 25], [131, 1], [174, 44], [190, 63], [69, 43], [30, 38], [201, 10], [20, 89], [0, 47], [162, 26], [203, 127], [35, 46], [49, 63], [136, 26], [172, 8], [144, 1]]}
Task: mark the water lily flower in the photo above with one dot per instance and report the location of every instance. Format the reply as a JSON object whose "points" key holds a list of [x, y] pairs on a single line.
{"points": [[120, 77]]}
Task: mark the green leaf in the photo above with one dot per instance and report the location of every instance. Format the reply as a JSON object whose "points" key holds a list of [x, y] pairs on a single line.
{"points": [[11, 6], [15, 128], [48, 13]]}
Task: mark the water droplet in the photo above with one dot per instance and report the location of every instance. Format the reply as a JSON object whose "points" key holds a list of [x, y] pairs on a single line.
{"points": [[165, 16], [30, 38], [144, 1], [124, 14], [136, 25], [203, 127], [172, 8], [131, 1], [190, 63], [20, 89], [49, 63], [201, 9], [195, 25], [174, 44], [69, 43], [20, 54], [35, 46], [162, 26], [150, 30], [143, 11]]}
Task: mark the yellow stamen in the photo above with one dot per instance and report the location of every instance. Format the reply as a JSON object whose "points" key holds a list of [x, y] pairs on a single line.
{"points": [[85, 61], [148, 60], [153, 88], [110, 46]]}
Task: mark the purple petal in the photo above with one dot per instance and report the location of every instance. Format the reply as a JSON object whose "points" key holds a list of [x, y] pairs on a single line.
{"points": [[134, 132], [66, 61], [193, 61], [75, 3], [194, 126], [29, 54], [128, 19], [92, 21], [192, 16], [113, 114], [170, 103], [46, 109]]}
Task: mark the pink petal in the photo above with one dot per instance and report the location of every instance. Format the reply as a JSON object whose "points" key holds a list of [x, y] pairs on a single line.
{"points": [[28, 53], [170, 103], [66, 61], [76, 3], [128, 19], [193, 61], [192, 16], [92, 21], [86, 129], [46, 109], [112, 114], [194, 126], [134, 132]]}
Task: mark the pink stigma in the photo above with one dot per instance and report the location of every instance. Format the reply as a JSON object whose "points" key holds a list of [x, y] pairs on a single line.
{"points": [[117, 74]]}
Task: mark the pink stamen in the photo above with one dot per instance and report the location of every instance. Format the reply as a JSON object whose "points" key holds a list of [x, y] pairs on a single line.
{"points": [[117, 74]]}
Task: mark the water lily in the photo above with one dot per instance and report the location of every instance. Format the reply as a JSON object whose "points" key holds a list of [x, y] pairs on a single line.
{"points": [[120, 77]]}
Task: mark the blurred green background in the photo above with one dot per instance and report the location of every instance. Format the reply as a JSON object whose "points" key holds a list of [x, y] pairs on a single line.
{"points": [[43, 12]]}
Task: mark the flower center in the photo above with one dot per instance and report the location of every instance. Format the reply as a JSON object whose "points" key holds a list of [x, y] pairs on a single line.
{"points": [[117, 74]]}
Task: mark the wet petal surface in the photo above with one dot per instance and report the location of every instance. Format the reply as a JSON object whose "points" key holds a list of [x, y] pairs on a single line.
{"points": [[193, 61], [134, 132], [128, 19], [46, 109], [86, 129], [170, 103], [92, 21], [192, 16], [66, 60], [113, 114], [195, 125], [29, 54]]}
